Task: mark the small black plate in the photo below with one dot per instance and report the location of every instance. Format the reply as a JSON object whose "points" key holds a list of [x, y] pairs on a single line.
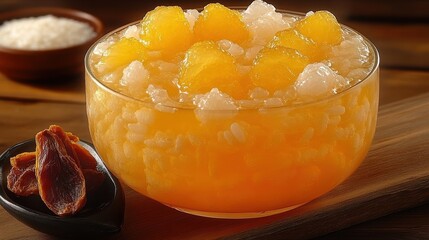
{"points": [[103, 213]]}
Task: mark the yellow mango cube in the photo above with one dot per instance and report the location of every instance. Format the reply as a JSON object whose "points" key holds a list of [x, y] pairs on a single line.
{"points": [[207, 66], [277, 68], [217, 22], [291, 38], [322, 27], [167, 30], [122, 53]]}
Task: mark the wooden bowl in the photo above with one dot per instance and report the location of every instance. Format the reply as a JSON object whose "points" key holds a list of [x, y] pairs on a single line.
{"points": [[53, 64]]}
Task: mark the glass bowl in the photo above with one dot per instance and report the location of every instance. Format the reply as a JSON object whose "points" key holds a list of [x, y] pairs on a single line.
{"points": [[233, 164]]}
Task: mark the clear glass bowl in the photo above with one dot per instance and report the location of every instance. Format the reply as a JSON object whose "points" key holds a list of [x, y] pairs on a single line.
{"points": [[233, 164]]}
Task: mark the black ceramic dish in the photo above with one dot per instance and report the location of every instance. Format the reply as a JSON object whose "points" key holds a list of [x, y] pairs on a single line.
{"points": [[103, 213]]}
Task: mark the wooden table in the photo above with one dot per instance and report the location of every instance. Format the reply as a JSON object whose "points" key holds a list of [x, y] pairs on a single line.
{"points": [[399, 29]]}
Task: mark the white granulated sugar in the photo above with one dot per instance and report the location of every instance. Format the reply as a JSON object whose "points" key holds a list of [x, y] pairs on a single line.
{"points": [[44, 32], [318, 80], [263, 21], [234, 49], [350, 58], [192, 16], [132, 32], [135, 78]]}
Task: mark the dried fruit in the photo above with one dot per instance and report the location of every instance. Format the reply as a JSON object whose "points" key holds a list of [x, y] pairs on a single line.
{"points": [[22, 179], [23, 160], [60, 180], [64, 138], [60, 171], [86, 160]]}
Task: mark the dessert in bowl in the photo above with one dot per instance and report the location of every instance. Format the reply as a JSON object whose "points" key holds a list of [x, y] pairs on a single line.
{"points": [[232, 113]]}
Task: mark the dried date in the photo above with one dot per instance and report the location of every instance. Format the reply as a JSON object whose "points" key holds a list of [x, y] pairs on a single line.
{"points": [[65, 172], [22, 179], [60, 180]]}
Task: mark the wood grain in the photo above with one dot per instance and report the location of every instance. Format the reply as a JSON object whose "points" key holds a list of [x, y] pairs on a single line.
{"points": [[397, 84], [394, 176], [21, 120], [71, 90]]}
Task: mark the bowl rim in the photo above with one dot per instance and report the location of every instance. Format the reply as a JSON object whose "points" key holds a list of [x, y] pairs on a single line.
{"points": [[69, 13], [181, 106]]}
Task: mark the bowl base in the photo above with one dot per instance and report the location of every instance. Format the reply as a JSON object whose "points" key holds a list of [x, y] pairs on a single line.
{"points": [[236, 215]]}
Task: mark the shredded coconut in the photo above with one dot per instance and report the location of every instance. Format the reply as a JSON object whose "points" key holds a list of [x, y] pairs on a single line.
{"points": [[44, 32]]}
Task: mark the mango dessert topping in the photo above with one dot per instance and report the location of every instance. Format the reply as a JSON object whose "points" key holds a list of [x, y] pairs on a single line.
{"points": [[188, 53], [167, 30], [217, 22], [199, 71], [322, 27], [277, 68], [122, 53], [292, 38]]}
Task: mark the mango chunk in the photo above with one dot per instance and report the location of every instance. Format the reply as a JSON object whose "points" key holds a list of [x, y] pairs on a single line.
{"points": [[291, 38], [167, 30], [277, 68], [121, 53], [207, 66], [322, 27], [217, 22]]}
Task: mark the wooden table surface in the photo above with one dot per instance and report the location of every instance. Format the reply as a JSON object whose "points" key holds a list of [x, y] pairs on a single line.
{"points": [[399, 29]]}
